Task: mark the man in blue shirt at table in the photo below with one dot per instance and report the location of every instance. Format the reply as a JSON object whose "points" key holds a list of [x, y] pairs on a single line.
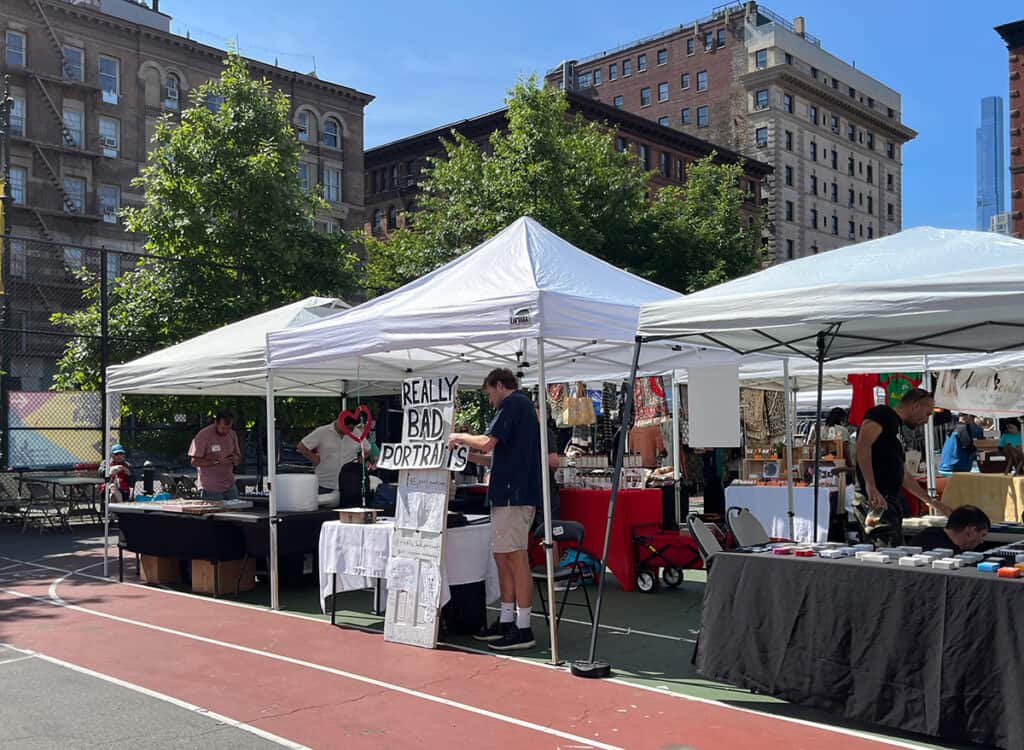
{"points": [[514, 494]]}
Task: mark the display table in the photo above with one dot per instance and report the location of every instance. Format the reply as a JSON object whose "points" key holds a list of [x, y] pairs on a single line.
{"points": [[633, 508], [920, 650], [770, 506], [999, 495], [354, 556]]}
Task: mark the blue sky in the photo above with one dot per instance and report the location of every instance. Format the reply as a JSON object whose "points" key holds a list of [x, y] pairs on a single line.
{"points": [[429, 63]]}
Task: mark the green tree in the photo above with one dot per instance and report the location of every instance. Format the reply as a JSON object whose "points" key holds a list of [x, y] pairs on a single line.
{"points": [[566, 172], [228, 226]]}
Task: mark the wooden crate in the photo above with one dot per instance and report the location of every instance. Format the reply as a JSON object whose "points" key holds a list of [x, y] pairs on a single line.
{"points": [[203, 573], [153, 569]]}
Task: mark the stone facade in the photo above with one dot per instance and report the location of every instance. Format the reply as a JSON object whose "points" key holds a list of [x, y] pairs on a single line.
{"points": [[1013, 35]]}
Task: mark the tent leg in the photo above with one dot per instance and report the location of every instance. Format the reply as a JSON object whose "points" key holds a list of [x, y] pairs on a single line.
{"points": [[109, 398], [591, 667], [929, 441], [545, 483], [676, 448], [817, 432], [275, 602], [787, 386]]}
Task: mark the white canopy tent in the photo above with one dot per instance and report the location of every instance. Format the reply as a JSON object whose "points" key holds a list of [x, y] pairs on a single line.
{"points": [[524, 299], [228, 361]]}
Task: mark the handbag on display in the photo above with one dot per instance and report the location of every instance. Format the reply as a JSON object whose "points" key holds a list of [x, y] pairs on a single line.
{"points": [[578, 409]]}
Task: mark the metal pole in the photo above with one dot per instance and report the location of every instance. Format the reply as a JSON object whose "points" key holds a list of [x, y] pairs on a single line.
{"points": [[817, 431], [590, 667], [787, 386], [929, 441], [676, 458], [275, 602], [545, 483], [104, 341], [107, 397], [6, 103]]}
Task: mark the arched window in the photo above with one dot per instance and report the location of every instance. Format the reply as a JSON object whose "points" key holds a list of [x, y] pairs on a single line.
{"points": [[332, 133], [172, 91], [376, 220], [392, 218], [302, 125]]}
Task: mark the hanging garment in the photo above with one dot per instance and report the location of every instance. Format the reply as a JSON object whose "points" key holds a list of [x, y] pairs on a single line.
{"points": [[897, 384], [650, 400], [775, 409], [863, 396], [648, 442], [754, 414]]}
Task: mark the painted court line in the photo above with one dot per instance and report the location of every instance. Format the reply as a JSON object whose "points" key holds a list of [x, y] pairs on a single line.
{"points": [[220, 718], [322, 668]]}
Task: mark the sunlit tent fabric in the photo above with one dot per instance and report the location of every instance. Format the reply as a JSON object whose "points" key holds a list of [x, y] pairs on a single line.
{"points": [[921, 291], [228, 361]]}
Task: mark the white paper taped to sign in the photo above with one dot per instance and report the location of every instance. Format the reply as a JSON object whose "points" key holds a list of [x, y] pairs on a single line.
{"points": [[427, 424], [399, 456], [424, 391], [982, 390]]}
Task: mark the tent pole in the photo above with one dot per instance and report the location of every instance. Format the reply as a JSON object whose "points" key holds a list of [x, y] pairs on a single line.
{"points": [[545, 484], [676, 458], [787, 387], [929, 440], [591, 667], [108, 396], [817, 431], [275, 602]]}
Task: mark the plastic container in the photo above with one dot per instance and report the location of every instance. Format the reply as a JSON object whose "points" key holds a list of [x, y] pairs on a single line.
{"points": [[297, 492]]}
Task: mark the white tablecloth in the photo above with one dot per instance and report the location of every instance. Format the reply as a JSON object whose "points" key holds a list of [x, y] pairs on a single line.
{"points": [[358, 553], [770, 506]]}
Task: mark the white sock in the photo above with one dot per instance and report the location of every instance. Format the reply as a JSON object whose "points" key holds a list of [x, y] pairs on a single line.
{"points": [[508, 612], [522, 617]]}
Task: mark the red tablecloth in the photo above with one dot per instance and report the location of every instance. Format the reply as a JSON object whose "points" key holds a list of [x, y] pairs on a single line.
{"points": [[633, 508]]}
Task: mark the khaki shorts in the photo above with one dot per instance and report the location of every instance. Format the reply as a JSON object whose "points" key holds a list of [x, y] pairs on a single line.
{"points": [[510, 527]]}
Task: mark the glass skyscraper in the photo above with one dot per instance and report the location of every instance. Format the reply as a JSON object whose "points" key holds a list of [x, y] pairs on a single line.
{"points": [[991, 145]]}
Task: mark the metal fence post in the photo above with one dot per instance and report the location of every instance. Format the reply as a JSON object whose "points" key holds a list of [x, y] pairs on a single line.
{"points": [[6, 103], [104, 341]]}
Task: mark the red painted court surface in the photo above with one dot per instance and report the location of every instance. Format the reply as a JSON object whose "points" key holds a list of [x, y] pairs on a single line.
{"points": [[324, 687]]}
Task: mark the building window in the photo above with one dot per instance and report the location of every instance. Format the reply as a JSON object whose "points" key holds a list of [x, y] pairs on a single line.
{"points": [[14, 48], [890, 212], [814, 218], [812, 114], [789, 140], [110, 78], [663, 120], [645, 96], [814, 151], [890, 150], [871, 175], [834, 122], [761, 99], [214, 102], [332, 185], [789, 175], [627, 68], [789, 250], [761, 137], [814, 184], [73, 125], [851, 233], [613, 72], [74, 189], [645, 157], [720, 37], [19, 177], [302, 125], [761, 59], [332, 133], [392, 218], [789, 210], [663, 92], [110, 137], [702, 117], [709, 41], [850, 198], [304, 182], [684, 115], [851, 132], [871, 205], [684, 81], [663, 164], [835, 192], [662, 56], [835, 159], [19, 259], [689, 46], [787, 103], [702, 80], [618, 101], [74, 63], [835, 84], [852, 92], [377, 216], [835, 225], [641, 63], [584, 80], [871, 141], [597, 76], [113, 266], [620, 143], [849, 166], [110, 202], [172, 92], [889, 181], [18, 116], [789, 59], [680, 171], [871, 232]]}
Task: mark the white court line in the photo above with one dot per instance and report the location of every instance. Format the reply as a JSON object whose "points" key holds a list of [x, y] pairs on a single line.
{"points": [[544, 665], [329, 670], [219, 718]]}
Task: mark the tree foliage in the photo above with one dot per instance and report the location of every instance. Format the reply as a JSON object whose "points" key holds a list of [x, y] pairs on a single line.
{"points": [[566, 172]]}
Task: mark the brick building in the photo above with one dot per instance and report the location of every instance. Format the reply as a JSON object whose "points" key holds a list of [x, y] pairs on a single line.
{"points": [[89, 79], [750, 80], [1013, 35], [393, 170]]}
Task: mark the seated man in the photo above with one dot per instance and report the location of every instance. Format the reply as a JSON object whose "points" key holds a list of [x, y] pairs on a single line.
{"points": [[1010, 445], [965, 530], [118, 475]]}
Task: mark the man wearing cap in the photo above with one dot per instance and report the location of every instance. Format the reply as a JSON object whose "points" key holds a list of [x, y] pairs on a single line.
{"points": [[328, 448], [215, 454], [118, 475]]}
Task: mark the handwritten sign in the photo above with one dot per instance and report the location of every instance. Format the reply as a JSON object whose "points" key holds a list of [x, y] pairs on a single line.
{"points": [[423, 391], [427, 424], [400, 456]]}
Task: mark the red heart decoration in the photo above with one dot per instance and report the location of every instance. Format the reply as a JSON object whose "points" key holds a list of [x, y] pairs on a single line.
{"points": [[361, 410]]}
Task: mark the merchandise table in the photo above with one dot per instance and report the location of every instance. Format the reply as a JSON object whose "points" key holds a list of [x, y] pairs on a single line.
{"points": [[770, 505], [79, 491], [930, 651], [633, 508], [999, 495], [354, 556]]}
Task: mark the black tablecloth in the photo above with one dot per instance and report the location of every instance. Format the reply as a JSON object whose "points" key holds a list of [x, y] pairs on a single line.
{"points": [[935, 652]]}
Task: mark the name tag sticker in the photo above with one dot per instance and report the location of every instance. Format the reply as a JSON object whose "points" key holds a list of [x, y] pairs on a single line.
{"points": [[215, 449]]}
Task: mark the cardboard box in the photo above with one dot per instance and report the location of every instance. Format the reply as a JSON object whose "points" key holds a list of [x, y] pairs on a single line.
{"points": [[203, 573], [153, 569]]}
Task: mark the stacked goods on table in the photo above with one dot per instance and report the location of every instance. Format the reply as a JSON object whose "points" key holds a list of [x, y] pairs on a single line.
{"points": [[198, 507]]}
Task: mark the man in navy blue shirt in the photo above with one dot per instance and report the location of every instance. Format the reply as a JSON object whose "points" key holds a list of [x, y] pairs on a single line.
{"points": [[514, 493]]}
